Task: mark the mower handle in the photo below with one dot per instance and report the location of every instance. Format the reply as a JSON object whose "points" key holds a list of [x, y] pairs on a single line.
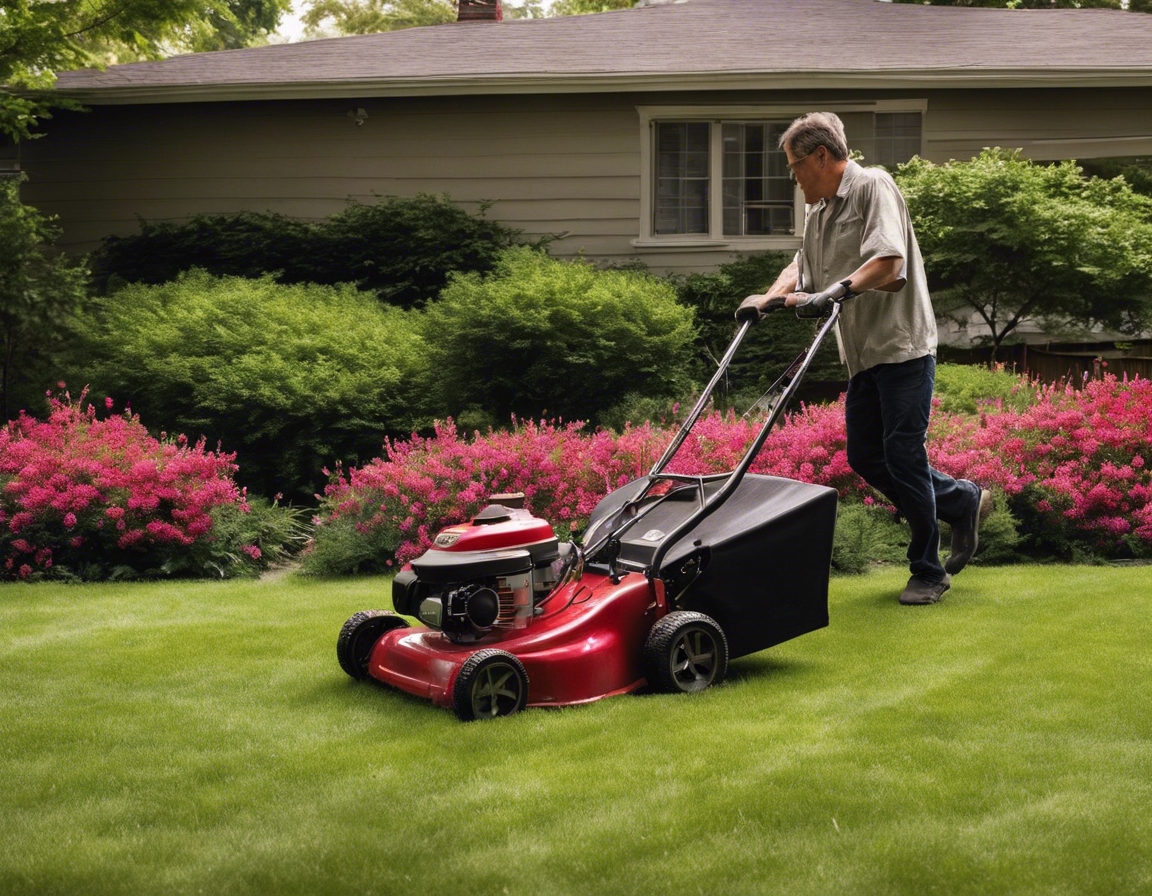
{"points": [[733, 480]]}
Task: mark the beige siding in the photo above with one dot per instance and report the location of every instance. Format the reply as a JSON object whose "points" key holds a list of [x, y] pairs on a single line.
{"points": [[566, 166], [559, 168], [1046, 124]]}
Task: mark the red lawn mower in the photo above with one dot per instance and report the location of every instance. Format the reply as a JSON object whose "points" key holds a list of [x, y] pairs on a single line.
{"points": [[674, 576]]}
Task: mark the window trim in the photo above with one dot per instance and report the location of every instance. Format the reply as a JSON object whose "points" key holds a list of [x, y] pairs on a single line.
{"points": [[717, 113]]}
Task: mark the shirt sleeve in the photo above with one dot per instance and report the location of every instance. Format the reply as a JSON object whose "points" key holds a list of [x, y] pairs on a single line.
{"points": [[883, 213]]}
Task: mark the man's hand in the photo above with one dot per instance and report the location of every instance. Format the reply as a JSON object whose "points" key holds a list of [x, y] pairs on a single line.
{"points": [[810, 305], [755, 307], [807, 305]]}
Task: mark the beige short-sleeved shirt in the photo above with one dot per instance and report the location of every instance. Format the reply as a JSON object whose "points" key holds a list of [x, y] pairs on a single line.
{"points": [[867, 219]]}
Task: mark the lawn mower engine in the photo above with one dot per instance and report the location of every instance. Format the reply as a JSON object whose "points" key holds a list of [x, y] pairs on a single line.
{"points": [[485, 575]]}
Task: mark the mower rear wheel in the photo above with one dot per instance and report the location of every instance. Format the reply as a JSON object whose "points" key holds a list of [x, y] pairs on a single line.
{"points": [[359, 635], [491, 683], [685, 652]]}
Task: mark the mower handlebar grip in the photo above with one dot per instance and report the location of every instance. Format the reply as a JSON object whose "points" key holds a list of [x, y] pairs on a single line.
{"points": [[752, 313]]}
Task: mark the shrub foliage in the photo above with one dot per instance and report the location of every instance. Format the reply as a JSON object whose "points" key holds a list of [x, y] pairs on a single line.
{"points": [[539, 336], [964, 388], [291, 378], [401, 249], [41, 291], [1008, 239]]}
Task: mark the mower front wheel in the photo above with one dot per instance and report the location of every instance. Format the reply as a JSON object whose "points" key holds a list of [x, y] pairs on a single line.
{"points": [[359, 635], [685, 652], [491, 683]]}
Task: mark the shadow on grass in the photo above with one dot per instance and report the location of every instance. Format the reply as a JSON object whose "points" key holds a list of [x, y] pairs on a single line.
{"points": [[758, 667]]}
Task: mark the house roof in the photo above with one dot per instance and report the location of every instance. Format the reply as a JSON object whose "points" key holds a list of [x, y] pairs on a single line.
{"points": [[696, 44]]}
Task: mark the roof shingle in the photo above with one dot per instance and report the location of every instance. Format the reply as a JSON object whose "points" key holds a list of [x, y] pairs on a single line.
{"points": [[693, 42]]}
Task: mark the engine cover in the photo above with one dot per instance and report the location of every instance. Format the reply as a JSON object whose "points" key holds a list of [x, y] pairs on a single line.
{"points": [[523, 531], [481, 575]]}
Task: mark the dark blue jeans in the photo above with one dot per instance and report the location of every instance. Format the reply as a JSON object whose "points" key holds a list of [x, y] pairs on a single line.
{"points": [[887, 420]]}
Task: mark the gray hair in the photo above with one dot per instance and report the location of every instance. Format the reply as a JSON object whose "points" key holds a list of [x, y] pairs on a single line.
{"points": [[816, 129]]}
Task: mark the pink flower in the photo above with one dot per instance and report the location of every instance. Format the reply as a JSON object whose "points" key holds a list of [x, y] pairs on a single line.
{"points": [[69, 521], [252, 551]]}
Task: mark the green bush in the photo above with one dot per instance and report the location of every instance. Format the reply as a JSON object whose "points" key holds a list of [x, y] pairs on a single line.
{"points": [[278, 533], [1000, 538], [342, 547], [41, 293], [292, 378], [405, 249], [540, 337], [867, 534], [245, 244], [770, 346], [963, 388], [401, 249]]}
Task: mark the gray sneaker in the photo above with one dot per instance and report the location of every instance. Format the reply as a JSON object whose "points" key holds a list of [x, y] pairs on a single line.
{"points": [[918, 591], [966, 532]]}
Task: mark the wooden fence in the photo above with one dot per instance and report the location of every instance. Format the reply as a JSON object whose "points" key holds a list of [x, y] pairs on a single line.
{"points": [[1075, 363]]}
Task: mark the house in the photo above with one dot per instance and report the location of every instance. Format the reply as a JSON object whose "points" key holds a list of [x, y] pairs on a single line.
{"points": [[644, 134]]}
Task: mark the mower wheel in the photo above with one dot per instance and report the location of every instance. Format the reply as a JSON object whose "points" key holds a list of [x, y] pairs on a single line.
{"points": [[685, 652], [359, 635], [491, 683]]}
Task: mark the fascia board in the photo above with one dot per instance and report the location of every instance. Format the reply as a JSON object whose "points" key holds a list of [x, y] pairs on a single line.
{"points": [[612, 83]]}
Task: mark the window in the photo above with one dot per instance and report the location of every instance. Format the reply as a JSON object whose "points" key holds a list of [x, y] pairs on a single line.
{"points": [[896, 138], [714, 175], [9, 156]]}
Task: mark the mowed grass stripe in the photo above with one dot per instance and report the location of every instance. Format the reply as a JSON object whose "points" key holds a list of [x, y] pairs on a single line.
{"points": [[187, 737]]}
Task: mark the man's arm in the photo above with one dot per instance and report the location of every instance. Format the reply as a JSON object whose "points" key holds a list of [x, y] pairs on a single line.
{"points": [[879, 273], [876, 273], [785, 283]]}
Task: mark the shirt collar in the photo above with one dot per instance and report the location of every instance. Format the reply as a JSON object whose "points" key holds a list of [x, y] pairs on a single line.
{"points": [[851, 172]]}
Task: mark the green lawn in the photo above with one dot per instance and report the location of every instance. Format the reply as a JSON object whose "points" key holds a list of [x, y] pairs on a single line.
{"points": [[200, 737]]}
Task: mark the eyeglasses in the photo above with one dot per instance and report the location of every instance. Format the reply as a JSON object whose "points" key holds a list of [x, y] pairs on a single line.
{"points": [[792, 167]]}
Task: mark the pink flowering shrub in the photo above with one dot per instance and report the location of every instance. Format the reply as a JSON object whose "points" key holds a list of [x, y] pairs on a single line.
{"points": [[391, 508], [1074, 467], [1074, 464], [93, 498]]}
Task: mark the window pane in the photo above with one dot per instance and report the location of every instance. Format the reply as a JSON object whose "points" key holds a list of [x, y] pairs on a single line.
{"points": [[682, 169], [757, 192], [897, 138]]}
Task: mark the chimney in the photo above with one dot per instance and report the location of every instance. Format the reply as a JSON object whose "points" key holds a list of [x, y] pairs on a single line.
{"points": [[480, 11]]}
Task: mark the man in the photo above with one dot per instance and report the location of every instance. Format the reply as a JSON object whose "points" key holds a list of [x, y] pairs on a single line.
{"points": [[857, 234]]}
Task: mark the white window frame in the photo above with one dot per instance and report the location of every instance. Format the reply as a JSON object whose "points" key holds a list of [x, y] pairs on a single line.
{"points": [[717, 114]]}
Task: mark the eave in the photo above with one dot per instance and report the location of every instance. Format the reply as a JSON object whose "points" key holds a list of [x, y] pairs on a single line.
{"points": [[543, 83]]}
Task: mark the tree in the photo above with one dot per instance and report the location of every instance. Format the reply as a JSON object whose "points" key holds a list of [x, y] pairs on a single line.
{"points": [[41, 37], [580, 7], [40, 292], [372, 16], [1010, 239]]}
